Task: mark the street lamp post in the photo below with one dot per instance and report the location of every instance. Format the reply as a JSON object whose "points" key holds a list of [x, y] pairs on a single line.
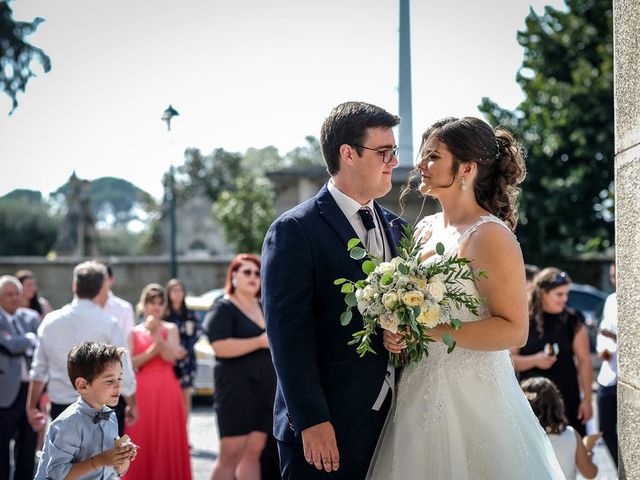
{"points": [[168, 114]]}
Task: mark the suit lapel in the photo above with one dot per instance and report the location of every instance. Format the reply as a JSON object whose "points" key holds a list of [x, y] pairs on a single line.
{"points": [[389, 231], [330, 211], [4, 323]]}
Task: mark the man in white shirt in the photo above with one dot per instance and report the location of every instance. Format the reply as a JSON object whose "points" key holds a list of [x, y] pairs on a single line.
{"points": [[607, 348], [123, 312], [81, 320], [117, 307], [18, 328]]}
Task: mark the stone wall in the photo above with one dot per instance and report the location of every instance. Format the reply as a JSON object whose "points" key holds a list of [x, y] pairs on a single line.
{"points": [[131, 274], [627, 164]]}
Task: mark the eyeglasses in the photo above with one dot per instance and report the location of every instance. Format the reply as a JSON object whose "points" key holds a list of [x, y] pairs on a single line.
{"points": [[561, 279], [247, 272], [387, 154]]}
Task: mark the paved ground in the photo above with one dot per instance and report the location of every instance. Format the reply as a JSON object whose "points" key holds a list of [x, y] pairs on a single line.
{"points": [[204, 438]]}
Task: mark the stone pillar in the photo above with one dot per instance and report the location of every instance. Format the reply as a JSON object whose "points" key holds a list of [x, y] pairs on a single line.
{"points": [[627, 165]]}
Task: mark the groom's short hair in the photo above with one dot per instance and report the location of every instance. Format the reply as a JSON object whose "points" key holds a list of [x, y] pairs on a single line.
{"points": [[347, 124]]}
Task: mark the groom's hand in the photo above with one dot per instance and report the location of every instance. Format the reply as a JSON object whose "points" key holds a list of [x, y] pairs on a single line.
{"points": [[393, 342], [320, 447]]}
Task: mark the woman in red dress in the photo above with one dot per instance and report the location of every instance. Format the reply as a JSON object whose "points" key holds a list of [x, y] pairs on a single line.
{"points": [[160, 430]]}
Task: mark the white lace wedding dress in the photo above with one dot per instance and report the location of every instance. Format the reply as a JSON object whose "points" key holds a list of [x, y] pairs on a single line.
{"points": [[462, 415]]}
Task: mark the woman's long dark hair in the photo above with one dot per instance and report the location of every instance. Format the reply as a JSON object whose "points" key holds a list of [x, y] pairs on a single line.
{"points": [[168, 305], [34, 302], [545, 281]]}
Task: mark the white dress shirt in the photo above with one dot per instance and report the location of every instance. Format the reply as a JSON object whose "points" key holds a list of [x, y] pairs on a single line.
{"points": [[349, 208], [608, 375], [122, 311], [80, 321]]}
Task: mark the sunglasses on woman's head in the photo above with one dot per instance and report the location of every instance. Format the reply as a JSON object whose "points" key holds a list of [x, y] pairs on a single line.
{"points": [[247, 272], [559, 280]]}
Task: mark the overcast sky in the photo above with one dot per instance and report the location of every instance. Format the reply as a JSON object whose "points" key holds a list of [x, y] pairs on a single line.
{"points": [[242, 74]]}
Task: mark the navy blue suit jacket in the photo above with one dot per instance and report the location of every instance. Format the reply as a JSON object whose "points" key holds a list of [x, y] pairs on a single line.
{"points": [[320, 377]]}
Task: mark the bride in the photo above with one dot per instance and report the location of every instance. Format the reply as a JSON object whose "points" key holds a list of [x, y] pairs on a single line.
{"points": [[462, 415]]}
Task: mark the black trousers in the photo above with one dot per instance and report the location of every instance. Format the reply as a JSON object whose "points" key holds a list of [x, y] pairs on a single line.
{"points": [[356, 450], [608, 415], [14, 425]]}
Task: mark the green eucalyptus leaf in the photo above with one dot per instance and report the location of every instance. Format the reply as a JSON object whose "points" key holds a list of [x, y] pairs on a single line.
{"points": [[345, 318], [358, 253], [352, 243], [368, 266], [347, 288], [403, 269], [386, 279], [439, 248], [339, 281], [350, 299]]}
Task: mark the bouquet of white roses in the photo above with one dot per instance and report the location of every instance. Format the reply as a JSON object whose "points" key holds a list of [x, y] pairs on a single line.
{"points": [[407, 296]]}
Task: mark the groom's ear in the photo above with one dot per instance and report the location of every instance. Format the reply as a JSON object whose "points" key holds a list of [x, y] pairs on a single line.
{"points": [[347, 154]]}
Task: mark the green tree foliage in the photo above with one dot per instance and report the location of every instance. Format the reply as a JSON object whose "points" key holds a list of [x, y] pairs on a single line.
{"points": [[246, 212], [16, 54], [309, 154], [237, 184], [213, 173], [566, 124], [115, 201], [26, 224]]}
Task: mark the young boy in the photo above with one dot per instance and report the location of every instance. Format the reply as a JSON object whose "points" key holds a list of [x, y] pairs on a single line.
{"points": [[80, 442]]}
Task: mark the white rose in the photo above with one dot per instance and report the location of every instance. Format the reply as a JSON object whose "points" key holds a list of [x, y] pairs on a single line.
{"points": [[412, 298], [367, 293], [397, 261], [386, 267], [429, 314], [389, 321], [390, 300], [437, 289]]}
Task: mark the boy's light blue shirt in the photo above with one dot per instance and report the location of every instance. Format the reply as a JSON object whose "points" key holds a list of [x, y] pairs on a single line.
{"points": [[75, 436]]}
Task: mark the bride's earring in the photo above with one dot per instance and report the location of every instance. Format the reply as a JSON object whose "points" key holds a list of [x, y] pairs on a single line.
{"points": [[234, 282], [463, 184]]}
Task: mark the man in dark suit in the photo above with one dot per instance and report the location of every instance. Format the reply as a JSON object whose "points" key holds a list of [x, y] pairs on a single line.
{"points": [[330, 404], [18, 327]]}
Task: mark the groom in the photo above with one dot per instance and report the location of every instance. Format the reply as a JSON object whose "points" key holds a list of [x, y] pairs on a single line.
{"points": [[331, 404]]}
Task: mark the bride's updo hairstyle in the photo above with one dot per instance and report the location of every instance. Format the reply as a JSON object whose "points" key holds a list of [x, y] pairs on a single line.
{"points": [[499, 157]]}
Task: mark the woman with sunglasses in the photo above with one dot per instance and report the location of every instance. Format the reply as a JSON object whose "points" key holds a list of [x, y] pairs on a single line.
{"points": [[558, 346], [243, 373]]}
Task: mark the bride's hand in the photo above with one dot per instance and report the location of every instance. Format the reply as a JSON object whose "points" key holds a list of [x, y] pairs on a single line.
{"points": [[393, 342]]}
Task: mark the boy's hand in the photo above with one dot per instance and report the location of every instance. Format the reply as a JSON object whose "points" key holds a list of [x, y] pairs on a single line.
{"points": [[115, 457]]}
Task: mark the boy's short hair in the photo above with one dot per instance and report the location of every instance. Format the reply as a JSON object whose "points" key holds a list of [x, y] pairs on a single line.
{"points": [[89, 359]]}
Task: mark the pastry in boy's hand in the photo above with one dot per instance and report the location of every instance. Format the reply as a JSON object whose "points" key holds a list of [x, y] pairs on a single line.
{"points": [[122, 441]]}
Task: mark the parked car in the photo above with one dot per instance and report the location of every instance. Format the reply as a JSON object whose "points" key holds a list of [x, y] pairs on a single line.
{"points": [[203, 383], [590, 302]]}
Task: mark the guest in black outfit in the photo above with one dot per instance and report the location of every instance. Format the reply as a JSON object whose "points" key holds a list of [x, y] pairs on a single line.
{"points": [[558, 346], [189, 329], [243, 373]]}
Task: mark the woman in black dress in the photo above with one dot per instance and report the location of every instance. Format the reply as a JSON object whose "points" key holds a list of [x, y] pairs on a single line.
{"points": [[558, 346], [243, 373], [177, 312]]}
